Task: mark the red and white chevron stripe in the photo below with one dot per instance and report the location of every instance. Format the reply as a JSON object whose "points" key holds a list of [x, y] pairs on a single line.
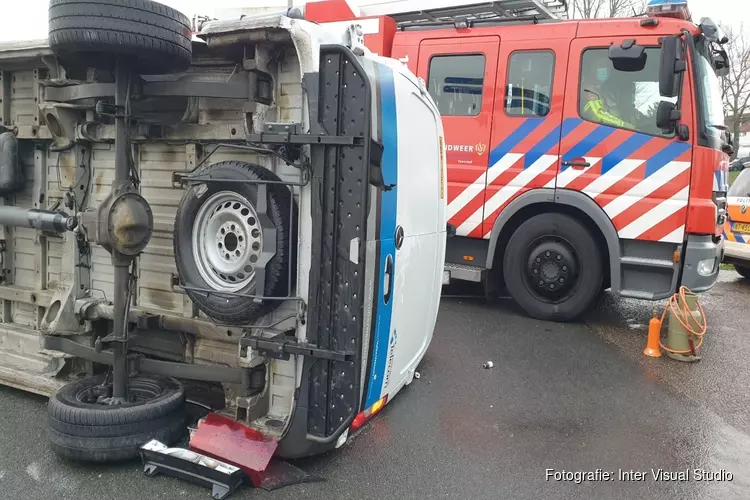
{"points": [[652, 208]]}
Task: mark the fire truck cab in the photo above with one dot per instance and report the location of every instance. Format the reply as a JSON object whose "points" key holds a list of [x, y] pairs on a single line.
{"points": [[582, 154]]}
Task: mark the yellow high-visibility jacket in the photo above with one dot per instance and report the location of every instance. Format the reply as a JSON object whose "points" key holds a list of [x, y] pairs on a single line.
{"points": [[596, 111]]}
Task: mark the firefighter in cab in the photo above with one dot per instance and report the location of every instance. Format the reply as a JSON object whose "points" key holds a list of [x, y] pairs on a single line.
{"points": [[599, 101]]}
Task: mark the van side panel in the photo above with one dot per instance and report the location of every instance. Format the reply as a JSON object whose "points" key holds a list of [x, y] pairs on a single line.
{"points": [[412, 236], [381, 332]]}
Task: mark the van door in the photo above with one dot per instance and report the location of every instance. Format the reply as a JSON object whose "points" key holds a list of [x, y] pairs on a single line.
{"points": [[460, 75], [616, 154]]}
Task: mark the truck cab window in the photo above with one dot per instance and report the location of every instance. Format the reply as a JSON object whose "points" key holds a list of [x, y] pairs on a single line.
{"points": [[709, 90], [455, 82], [623, 99], [529, 87]]}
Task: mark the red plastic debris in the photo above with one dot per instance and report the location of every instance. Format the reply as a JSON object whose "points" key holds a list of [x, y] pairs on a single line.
{"points": [[230, 441]]}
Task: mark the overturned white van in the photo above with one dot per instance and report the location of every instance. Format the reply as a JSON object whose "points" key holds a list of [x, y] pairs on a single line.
{"points": [[254, 216]]}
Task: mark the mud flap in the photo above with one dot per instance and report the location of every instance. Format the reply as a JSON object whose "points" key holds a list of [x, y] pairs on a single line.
{"points": [[329, 394]]}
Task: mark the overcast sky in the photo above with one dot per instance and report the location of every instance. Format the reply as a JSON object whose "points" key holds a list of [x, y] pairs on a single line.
{"points": [[28, 19]]}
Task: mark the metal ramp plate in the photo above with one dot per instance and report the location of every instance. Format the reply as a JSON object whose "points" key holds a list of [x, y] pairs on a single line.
{"points": [[410, 13]]}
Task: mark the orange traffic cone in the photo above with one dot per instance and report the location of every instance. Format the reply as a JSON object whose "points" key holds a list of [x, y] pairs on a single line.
{"points": [[654, 334]]}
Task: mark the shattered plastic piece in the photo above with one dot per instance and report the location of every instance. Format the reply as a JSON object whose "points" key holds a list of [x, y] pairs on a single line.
{"points": [[222, 478], [279, 474], [488, 365], [228, 440]]}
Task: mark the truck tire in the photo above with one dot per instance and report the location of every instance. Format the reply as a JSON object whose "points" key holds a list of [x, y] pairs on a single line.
{"points": [[82, 429], [744, 271], [153, 38], [552, 267], [218, 239]]}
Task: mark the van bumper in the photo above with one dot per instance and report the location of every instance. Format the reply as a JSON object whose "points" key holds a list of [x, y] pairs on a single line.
{"points": [[702, 262], [736, 252]]}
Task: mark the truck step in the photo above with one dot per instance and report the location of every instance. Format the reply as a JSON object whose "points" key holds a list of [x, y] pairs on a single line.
{"points": [[463, 272], [637, 294], [647, 262]]}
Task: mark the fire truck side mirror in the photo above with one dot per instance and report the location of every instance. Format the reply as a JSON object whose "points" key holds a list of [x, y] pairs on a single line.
{"points": [[667, 115], [721, 63], [628, 56], [672, 66]]}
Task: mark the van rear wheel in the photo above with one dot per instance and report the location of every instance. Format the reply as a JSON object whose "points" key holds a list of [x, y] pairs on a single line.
{"points": [[552, 267], [84, 426]]}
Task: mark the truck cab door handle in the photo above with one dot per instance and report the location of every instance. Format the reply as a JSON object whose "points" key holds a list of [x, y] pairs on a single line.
{"points": [[578, 163]]}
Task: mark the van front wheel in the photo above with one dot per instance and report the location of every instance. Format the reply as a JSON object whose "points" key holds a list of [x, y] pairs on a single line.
{"points": [[743, 271], [552, 267]]}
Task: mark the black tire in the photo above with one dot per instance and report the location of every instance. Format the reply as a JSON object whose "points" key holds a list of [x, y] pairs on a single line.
{"points": [[228, 308], [744, 271], [154, 38], [550, 237], [80, 429]]}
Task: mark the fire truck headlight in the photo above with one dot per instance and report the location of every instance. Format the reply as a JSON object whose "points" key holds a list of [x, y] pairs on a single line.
{"points": [[706, 267]]}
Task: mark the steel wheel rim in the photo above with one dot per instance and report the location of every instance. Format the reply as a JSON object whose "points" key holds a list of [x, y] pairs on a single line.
{"points": [[553, 269], [139, 391], [227, 241]]}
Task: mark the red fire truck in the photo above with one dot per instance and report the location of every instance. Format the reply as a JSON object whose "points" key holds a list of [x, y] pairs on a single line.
{"points": [[582, 154]]}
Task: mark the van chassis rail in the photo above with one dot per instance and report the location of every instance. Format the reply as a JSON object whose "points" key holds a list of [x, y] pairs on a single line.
{"points": [[281, 345], [138, 363]]}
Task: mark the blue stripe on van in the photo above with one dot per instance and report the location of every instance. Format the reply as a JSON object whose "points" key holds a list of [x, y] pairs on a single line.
{"points": [[388, 207]]}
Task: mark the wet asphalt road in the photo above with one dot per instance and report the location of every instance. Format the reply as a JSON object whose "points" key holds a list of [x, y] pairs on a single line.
{"points": [[574, 397]]}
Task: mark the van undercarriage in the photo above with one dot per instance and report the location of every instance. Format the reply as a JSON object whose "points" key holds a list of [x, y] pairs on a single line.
{"points": [[197, 225]]}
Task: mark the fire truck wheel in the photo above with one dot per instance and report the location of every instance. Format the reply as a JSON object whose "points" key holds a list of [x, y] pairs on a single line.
{"points": [[82, 426], [155, 39], [219, 241], [743, 270], [552, 267]]}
